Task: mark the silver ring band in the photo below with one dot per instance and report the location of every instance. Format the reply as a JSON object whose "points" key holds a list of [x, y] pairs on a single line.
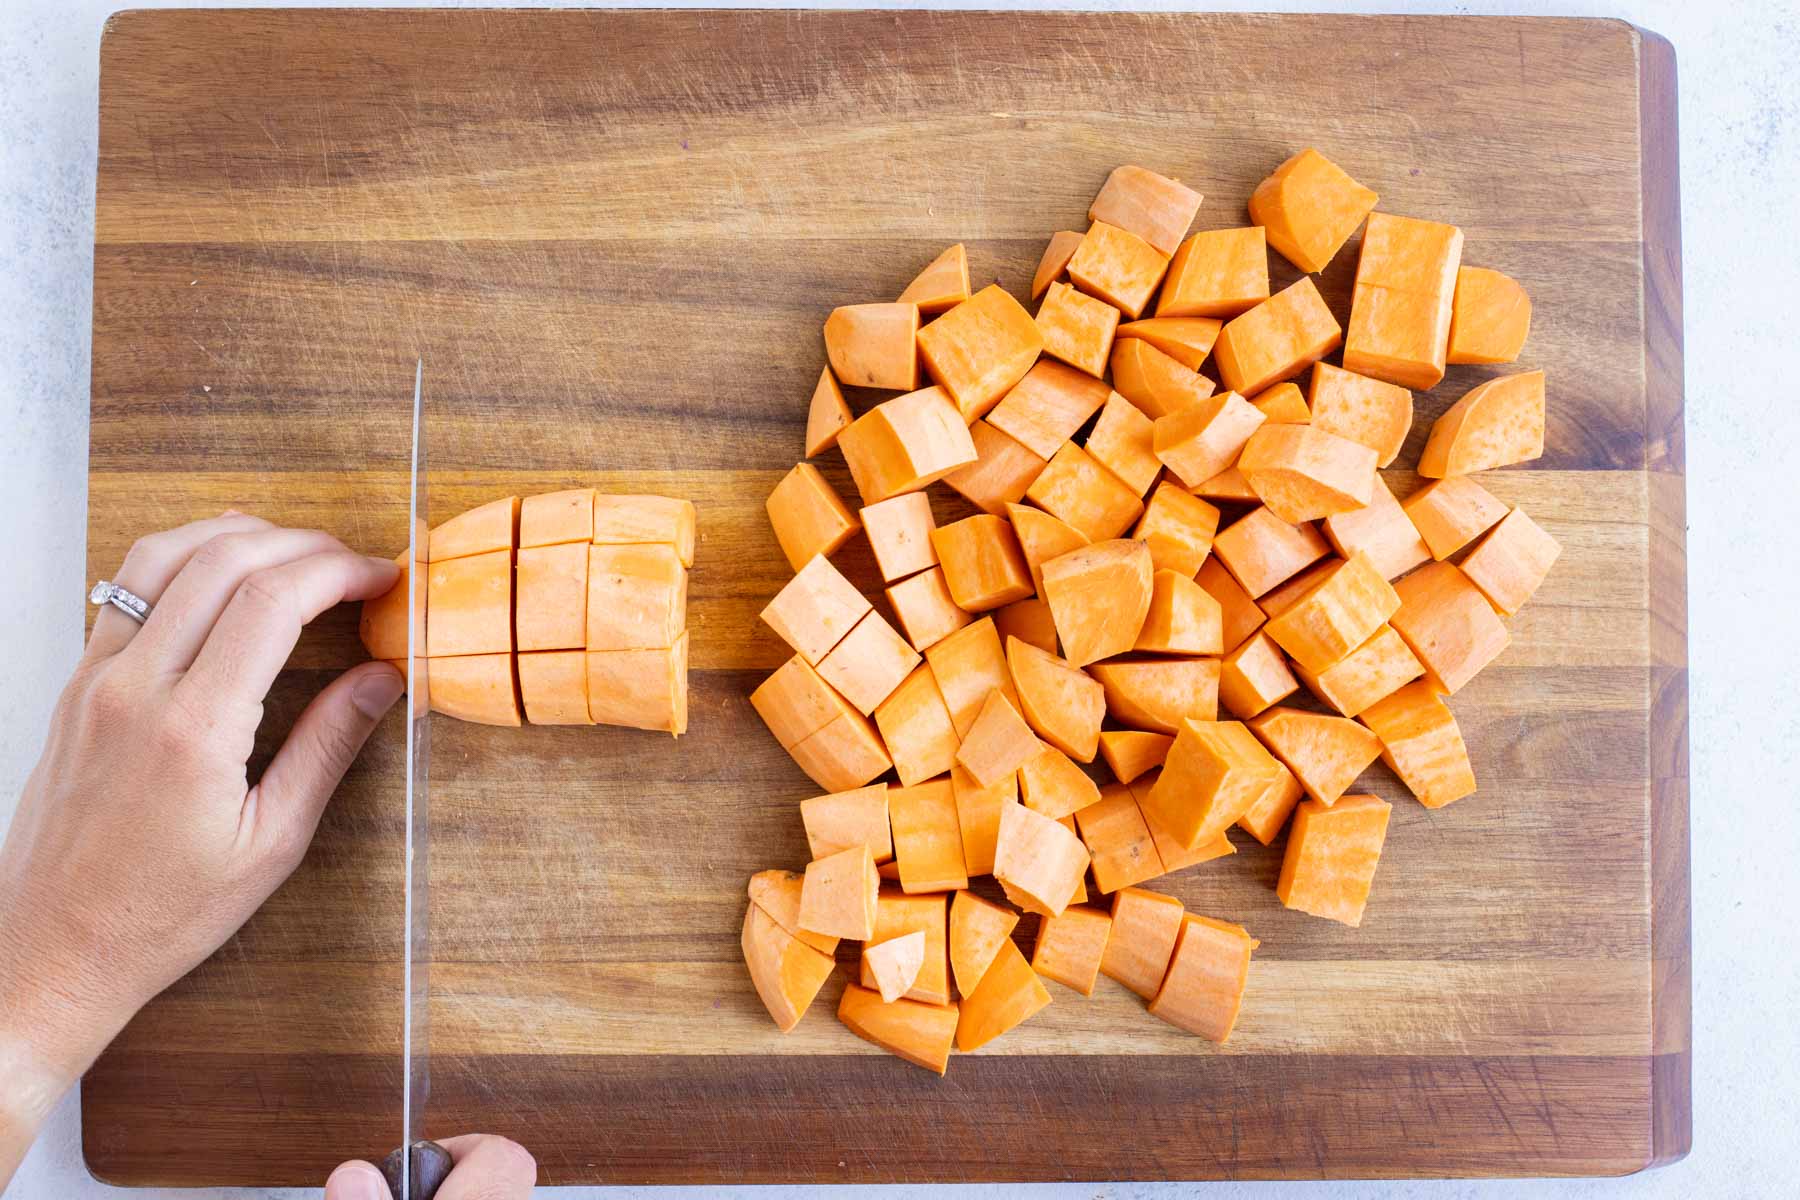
{"points": [[133, 606]]}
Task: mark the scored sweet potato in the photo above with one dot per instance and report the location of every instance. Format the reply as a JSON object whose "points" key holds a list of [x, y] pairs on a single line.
{"points": [[553, 687], [559, 518], [477, 688], [480, 530]]}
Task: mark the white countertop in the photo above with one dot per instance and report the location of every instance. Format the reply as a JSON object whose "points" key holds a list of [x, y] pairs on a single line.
{"points": [[1740, 153]]}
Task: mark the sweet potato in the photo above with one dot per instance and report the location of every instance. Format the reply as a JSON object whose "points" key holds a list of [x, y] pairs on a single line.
{"points": [[943, 284], [811, 613], [919, 1033], [1239, 615], [872, 345], [647, 520], [998, 743], [1451, 513], [1511, 561], [469, 605], [1229, 485], [1261, 550], [925, 609], [978, 816], [1047, 406], [1283, 403], [1117, 840], [1331, 857], [1069, 947], [1131, 752], [1264, 819], [1215, 771], [1278, 600], [1077, 328], [1145, 926], [1421, 743], [1369, 672], [1183, 618], [842, 820], [1123, 441], [1326, 754], [1099, 595], [1205, 985], [1303, 473], [927, 841], [1216, 273], [1061, 703], [898, 915], [1448, 624], [1055, 261], [480, 530], [915, 727], [1169, 851], [1041, 537], [1368, 411], [1199, 441], [795, 703], [1085, 495], [899, 531], [1154, 207], [1178, 528], [1037, 859], [1009, 993], [1118, 266], [637, 597], [786, 972], [1253, 676], [1340, 612], [1495, 424], [1277, 339], [1187, 340], [1151, 379], [895, 963], [558, 518], [1050, 783], [906, 443], [977, 929], [1158, 694], [968, 665], [1489, 318], [983, 566], [978, 350], [1001, 472], [837, 897], [383, 620], [1309, 208], [1401, 305], [1381, 530], [477, 688], [844, 753], [778, 894], [1029, 621], [551, 596], [827, 414], [869, 663], [553, 687], [807, 516]]}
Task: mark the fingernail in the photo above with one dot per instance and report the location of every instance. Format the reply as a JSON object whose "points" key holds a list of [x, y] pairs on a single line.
{"points": [[356, 1181], [376, 692]]}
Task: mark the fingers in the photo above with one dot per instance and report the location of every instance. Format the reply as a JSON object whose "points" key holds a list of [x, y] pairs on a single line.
{"points": [[198, 594], [286, 804], [253, 637], [488, 1167], [356, 1180], [151, 563]]}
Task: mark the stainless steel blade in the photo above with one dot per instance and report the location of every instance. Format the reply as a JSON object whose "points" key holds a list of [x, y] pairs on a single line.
{"points": [[415, 1042]]}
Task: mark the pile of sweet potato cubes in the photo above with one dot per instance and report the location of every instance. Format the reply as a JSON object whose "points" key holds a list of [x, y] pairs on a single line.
{"points": [[1152, 546]]}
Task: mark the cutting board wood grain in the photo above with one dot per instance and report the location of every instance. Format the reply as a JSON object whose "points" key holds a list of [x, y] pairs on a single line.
{"points": [[612, 237]]}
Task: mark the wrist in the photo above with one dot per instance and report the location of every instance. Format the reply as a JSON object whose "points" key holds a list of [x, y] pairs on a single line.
{"points": [[55, 1017]]}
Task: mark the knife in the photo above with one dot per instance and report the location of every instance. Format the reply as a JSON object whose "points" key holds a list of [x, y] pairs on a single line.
{"points": [[416, 1169]]}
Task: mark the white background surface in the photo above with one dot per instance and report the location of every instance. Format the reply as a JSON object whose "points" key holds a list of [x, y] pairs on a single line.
{"points": [[1740, 154]]}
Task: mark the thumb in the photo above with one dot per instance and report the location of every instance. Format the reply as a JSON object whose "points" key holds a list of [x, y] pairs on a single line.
{"points": [[326, 739], [357, 1180]]}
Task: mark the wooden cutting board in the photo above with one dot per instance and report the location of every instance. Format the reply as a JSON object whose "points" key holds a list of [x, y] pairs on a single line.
{"points": [[612, 237]]}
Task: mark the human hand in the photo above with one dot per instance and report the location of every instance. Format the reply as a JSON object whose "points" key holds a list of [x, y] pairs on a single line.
{"points": [[139, 844], [487, 1168]]}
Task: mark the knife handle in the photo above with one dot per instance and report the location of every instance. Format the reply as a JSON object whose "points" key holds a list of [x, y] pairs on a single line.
{"points": [[431, 1163]]}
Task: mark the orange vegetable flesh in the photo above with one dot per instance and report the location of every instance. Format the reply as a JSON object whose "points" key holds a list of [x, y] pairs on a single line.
{"points": [[1069, 947], [1099, 595], [906, 443], [843, 820], [1041, 537], [637, 597], [1157, 383], [898, 915], [872, 345], [1382, 531], [1495, 424], [899, 532], [915, 727], [978, 350], [1239, 615], [978, 817], [1490, 317], [553, 687], [1303, 473], [1145, 926], [1159, 694], [827, 414], [481, 530], [551, 597], [1183, 618], [558, 518], [1367, 411], [1278, 600], [919, 1033], [1047, 406], [1331, 857], [1215, 771], [1123, 441], [943, 284], [1187, 340], [469, 605], [1309, 207], [1008, 994], [795, 703], [845, 753], [811, 613], [1204, 438], [1205, 985], [1131, 752], [1216, 273], [1421, 743], [837, 897], [1230, 485], [778, 894], [977, 930], [478, 688], [869, 663], [1118, 840], [646, 520], [1173, 855], [1083, 494], [807, 516], [1154, 207], [1261, 550], [1077, 328], [983, 566], [998, 743], [925, 609], [1264, 819], [786, 972], [1050, 783], [1341, 612], [1511, 561], [1037, 859], [382, 622], [1371, 671], [1117, 266], [1029, 621], [1277, 339], [1283, 403], [1062, 704], [1451, 513], [1448, 624], [927, 840], [894, 964], [968, 665], [1178, 528], [1401, 305], [1253, 676], [1001, 472], [1055, 261], [1325, 753]]}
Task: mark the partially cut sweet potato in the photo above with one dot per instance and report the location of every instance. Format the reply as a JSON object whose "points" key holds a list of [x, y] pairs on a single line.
{"points": [[1216, 273], [1310, 206], [827, 414], [1302, 473], [553, 687], [919, 1033], [1062, 703], [1085, 495], [786, 972], [1045, 408], [1069, 947], [1421, 743], [872, 345], [1276, 340], [1495, 424], [978, 350], [1325, 753], [1331, 857], [475, 687], [481, 530], [1489, 319], [904, 444], [558, 518], [469, 605], [551, 597], [927, 841], [1145, 926], [943, 284], [983, 566], [977, 929], [1151, 379], [637, 597], [1155, 207], [1099, 595], [1009, 993], [1160, 693], [646, 520], [1204, 988], [1367, 411], [1118, 840]]}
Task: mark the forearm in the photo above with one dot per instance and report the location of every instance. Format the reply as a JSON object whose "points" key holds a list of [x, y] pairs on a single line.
{"points": [[29, 1089]]}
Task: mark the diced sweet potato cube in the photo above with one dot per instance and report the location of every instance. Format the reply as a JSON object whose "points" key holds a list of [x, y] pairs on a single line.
{"points": [[943, 284], [1153, 381], [1187, 340], [1217, 273], [1123, 441], [978, 816], [645, 520], [1215, 771], [1331, 857], [1062, 703], [1310, 207], [1401, 306], [1009, 993], [555, 518], [1183, 618], [641, 689], [1278, 339], [807, 515], [1029, 621], [1145, 926], [1449, 625], [1261, 550], [1205, 985], [1229, 485], [481, 530], [845, 753], [1027, 904], [1265, 818], [778, 894], [872, 345], [1118, 266], [925, 609], [842, 820], [1175, 856], [982, 563], [1199, 441], [786, 972], [919, 1033], [1254, 676], [1131, 752], [1303, 473], [1511, 561], [868, 663], [1340, 612], [1278, 600], [1001, 472], [1489, 318], [968, 665], [1077, 328], [915, 727], [999, 742], [1325, 753], [1495, 424], [898, 915], [1099, 595], [977, 929], [1160, 693], [1080, 492], [978, 350], [899, 531], [1042, 537], [895, 963], [837, 898], [827, 414], [811, 613], [1283, 404], [382, 623], [636, 597], [470, 605], [1368, 411], [477, 688], [1381, 530], [1050, 783], [1451, 513], [1069, 947], [1178, 528], [1239, 615], [904, 444], [1038, 859], [1118, 840], [553, 687], [1371, 671], [1055, 261], [1047, 406], [795, 703], [550, 611], [1421, 743], [1155, 207]]}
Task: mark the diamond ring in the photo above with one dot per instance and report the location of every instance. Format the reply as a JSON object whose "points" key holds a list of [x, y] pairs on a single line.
{"points": [[133, 606]]}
